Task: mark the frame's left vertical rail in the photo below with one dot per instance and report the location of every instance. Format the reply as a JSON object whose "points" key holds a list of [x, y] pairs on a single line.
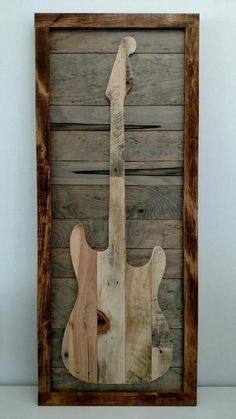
{"points": [[44, 209]]}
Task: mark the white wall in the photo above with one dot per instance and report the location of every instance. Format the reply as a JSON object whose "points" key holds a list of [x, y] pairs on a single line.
{"points": [[217, 227]]}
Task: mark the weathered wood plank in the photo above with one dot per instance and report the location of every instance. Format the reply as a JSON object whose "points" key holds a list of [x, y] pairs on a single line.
{"points": [[162, 344], [148, 342], [139, 233], [64, 293], [177, 336], [81, 79], [190, 210], [62, 267], [163, 202], [97, 173], [171, 381], [115, 20], [132, 168], [44, 208], [79, 346], [111, 262], [107, 40], [155, 117], [144, 146], [97, 179]]}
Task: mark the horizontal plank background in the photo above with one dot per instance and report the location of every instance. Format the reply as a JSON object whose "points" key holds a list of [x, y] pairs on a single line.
{"points": [[80, 66], [108, 40], [139, 233], [155, 117], [140, 146], [68, 69]]}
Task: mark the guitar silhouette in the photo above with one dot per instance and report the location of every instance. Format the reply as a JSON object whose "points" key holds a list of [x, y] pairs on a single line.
{"points": [[116, 332]]}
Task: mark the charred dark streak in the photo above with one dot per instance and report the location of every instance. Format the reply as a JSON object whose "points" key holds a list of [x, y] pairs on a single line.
{"points": [[99, 127], [178, 171]]}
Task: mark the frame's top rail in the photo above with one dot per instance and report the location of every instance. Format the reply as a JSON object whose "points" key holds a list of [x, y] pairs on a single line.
{"points": [[114, 20]]}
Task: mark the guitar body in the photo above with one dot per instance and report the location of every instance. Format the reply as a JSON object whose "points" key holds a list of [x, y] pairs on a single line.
{"points": [[116, 332], [105, 342]]}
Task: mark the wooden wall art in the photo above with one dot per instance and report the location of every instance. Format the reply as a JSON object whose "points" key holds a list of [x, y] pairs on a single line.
{"points": [[117, 150]]}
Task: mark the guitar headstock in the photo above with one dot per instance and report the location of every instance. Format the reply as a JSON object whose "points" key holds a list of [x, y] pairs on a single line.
{"points": [[121, 79]]}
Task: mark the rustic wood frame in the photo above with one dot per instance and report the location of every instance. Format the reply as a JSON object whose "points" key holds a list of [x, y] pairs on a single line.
{"points": [[190, 23]]}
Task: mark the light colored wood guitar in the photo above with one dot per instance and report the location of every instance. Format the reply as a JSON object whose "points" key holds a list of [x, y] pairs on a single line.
{"points": [[116, 332]]}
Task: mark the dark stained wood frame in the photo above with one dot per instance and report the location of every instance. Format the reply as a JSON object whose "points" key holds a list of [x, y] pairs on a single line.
{"points": [[190, 23]]}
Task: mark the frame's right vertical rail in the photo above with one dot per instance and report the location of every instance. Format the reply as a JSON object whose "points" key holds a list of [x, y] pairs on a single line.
{"points": [[191, 207]]}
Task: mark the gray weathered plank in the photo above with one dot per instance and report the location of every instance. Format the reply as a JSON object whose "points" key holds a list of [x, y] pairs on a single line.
{"points": [[97, 173], [163, 202], [177, 337], [139, 233], [62, 266], [64, 293], [154, 117], [81, 79], [97, 179], [139, 146], [108, 40], [171, 381]]}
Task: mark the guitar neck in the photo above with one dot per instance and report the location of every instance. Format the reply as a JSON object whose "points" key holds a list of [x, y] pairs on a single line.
{"points": [[117, 179]]}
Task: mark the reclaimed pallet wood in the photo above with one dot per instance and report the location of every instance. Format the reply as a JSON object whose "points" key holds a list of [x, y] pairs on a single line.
{"points": [[99, 21], [79, 346], [125, 297], [171, 381], [154, 117], [139, 233], [176, 333], [86, 142], [67, 71], [62, 266], [160, 202], [142, 146], [108, 40], [65, 292], [157, 174]]}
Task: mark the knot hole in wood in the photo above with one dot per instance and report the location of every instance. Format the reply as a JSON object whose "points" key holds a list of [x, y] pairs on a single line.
{"points": [[103, 323]]}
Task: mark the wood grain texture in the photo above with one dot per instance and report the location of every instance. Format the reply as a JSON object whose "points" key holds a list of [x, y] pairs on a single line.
{"points": [[115, 20], [156, 174], [44, 209], [111, 291], [148, 343], [65, 291], [162, 343], [79, 346], [62, 267], [163, 202], [191, 207], [139, 233], [79, 79], [112, 261], [108, 40], [187, 397], [118, 398], [171, 381], [176, 333], [155, 117], [140, 146]]}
